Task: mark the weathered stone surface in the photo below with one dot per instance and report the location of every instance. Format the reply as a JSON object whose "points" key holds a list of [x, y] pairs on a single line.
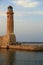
{"points": [[10, 22], [9, 38]]}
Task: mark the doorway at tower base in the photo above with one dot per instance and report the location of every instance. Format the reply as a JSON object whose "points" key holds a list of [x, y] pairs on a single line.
{"points": [[9, 39]]}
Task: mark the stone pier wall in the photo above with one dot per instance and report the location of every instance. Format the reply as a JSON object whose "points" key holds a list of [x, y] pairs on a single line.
{"points": [[25, 47]]}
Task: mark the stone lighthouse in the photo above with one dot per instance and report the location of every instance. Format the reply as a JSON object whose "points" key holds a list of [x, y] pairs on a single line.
{"points": [[9, 38], [10, 25], [10, 22]]}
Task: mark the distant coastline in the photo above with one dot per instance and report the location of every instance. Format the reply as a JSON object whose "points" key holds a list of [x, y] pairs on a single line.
{"points": [[30, 43]]}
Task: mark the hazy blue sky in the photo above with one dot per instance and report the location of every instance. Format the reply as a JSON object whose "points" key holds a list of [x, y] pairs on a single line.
{"points": [[28, 19]]}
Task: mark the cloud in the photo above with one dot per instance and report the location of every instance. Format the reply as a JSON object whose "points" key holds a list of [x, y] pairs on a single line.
{"points": [[29, 13], [2, 13], [35, 13], [26, 3], [18, 14]]}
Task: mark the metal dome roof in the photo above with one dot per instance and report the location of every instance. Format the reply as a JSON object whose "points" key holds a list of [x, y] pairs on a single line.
{"points": [[10, 7]]}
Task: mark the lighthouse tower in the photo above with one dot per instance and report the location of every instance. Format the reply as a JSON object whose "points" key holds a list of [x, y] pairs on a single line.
{"points": [[10, 26], [10, 22], [9, 38]]}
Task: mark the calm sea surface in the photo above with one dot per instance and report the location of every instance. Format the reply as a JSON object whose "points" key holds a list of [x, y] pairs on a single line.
{"points": [[12, 57]]}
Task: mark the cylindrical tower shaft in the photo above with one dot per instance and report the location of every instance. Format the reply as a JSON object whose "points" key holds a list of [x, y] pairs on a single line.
{"points": [[10, 23]]}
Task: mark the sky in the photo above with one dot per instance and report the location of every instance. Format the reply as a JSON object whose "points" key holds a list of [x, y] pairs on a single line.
{"points": [[28, 19]]}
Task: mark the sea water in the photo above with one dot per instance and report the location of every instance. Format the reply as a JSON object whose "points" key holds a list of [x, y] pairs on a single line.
{"points": [[14, 57]]}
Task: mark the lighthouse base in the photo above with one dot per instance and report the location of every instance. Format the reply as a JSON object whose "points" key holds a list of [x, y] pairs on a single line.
{"points": [[9, 39]]}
